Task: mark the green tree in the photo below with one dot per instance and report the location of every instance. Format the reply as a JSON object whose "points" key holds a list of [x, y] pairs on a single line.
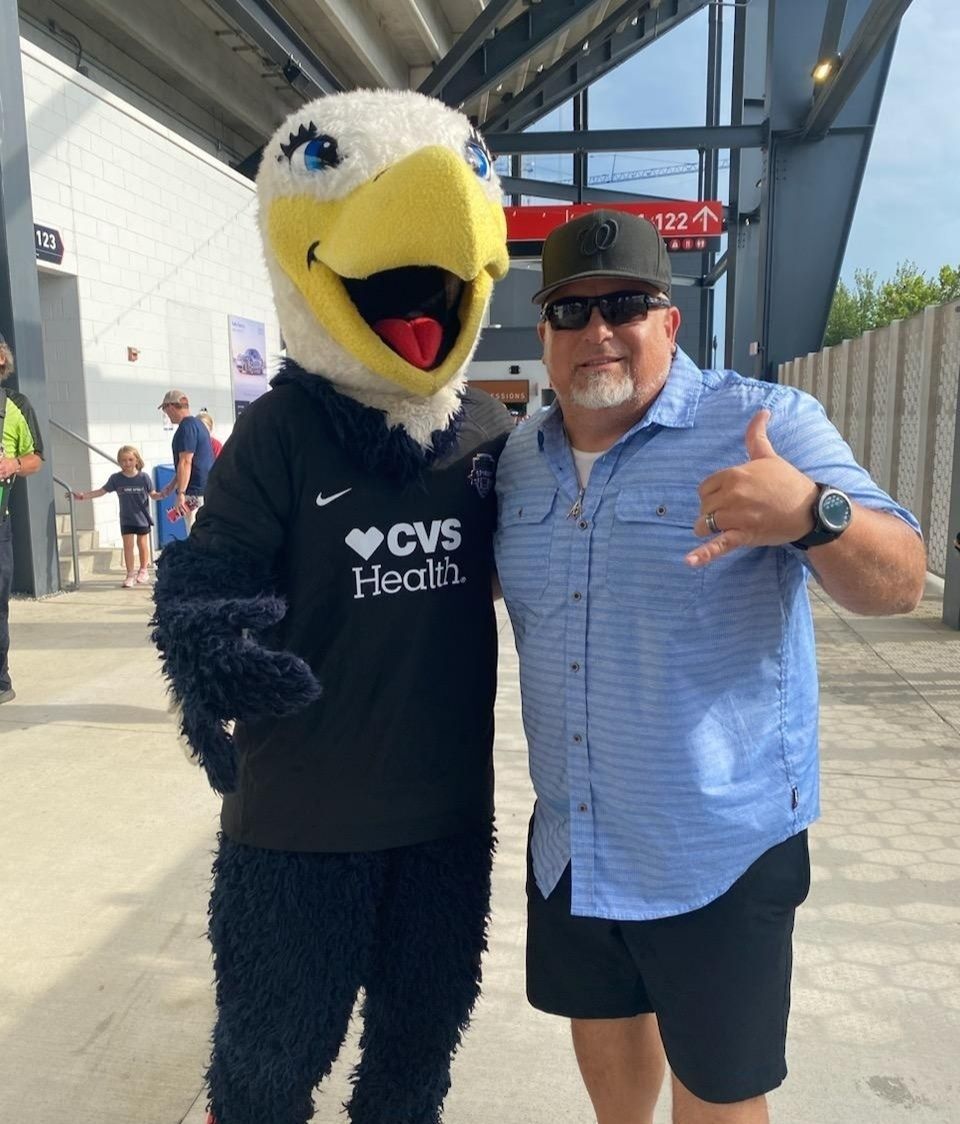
{"points": [[949, 280], [869, 305], [907, 292], [854, 311]]}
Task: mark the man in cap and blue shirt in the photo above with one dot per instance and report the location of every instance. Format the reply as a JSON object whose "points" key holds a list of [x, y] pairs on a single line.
{"points": [[21, 454], [192, 455], [657, 529]]}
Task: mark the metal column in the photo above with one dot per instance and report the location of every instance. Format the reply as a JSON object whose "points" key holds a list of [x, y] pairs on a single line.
{"points": [[746, 169], [36, 569], [581, 160], [811, 185], [709, 175]]}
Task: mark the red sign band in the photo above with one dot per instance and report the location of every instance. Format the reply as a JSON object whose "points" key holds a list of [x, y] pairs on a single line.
{"points": [[687, 221]]}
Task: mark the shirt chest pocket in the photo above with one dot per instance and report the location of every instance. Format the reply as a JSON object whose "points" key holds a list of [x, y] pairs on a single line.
{"points": [[523, 543], [651, 532]]}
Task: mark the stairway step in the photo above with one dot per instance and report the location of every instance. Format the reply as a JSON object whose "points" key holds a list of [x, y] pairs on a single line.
{"points": [[85, 541], [102, 561]]}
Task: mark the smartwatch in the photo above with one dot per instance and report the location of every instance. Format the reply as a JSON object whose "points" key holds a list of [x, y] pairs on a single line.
{"points": [[832, 512]]}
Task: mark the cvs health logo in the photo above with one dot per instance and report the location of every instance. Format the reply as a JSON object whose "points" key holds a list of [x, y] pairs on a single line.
{"points": [[402, 539]]}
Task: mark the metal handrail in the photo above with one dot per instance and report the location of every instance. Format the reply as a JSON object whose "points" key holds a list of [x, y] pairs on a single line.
{"points": [[69, 490], [83, 441], [74, 551]]}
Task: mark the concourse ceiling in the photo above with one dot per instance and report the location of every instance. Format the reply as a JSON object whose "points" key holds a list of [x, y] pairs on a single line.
{"points": [[230, 70], [226, 72]]}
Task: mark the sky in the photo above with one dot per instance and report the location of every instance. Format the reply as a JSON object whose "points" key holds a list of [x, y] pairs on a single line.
{"points": [[909, 205]]}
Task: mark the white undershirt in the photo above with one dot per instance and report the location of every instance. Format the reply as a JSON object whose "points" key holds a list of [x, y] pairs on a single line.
{"points": [[584, 462]]}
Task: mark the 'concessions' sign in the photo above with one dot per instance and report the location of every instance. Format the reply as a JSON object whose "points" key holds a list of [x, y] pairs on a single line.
{"points": [[684, 226], [48, 243], [505, 390]]}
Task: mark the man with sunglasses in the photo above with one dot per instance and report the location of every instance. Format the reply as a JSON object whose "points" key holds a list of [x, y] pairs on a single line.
{"points": [[669, 684]]}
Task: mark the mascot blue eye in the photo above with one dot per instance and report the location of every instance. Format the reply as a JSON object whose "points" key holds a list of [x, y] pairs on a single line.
{"points": [[320, 154], [319, 150], [479, 159]]}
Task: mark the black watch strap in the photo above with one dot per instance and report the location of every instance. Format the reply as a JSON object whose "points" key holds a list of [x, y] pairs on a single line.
{"points": [[816, 538], [820, 534]]}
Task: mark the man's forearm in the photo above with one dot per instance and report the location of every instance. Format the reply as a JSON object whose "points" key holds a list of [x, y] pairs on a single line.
{"points": [[29, 464], [183, 475], [26, 464], [877, 566], [181, 478]]}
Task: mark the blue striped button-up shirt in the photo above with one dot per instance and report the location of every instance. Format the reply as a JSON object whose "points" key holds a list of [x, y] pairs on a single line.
{"points": [[670, 712]]}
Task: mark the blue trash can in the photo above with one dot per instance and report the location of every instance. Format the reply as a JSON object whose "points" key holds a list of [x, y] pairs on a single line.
{"points": [[167, 531]]}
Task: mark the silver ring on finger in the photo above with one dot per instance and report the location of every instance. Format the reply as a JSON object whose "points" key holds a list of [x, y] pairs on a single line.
{"points": [[711, 523]]}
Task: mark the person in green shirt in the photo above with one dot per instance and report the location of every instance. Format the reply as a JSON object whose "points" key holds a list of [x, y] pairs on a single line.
{"points": [[21, 454]]}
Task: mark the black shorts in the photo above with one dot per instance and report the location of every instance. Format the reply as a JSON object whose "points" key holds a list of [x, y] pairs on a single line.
{"points": [[130, 529], [718, 978]]}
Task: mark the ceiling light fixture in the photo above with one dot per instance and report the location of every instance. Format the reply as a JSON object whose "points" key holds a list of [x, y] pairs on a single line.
{"points": [[826, 68]]}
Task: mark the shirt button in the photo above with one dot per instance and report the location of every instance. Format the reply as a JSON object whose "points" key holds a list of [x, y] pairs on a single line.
{"points": [[582, 807], [577, 595], [574, 666], [578, 738], [582, 524]]}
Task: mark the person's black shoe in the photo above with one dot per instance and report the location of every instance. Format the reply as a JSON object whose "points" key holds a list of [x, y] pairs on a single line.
{"points": [[8, 695]]}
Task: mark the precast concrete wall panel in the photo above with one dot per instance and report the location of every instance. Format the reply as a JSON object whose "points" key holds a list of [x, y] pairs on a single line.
{"points": [[883, 405], [839, 357], [945, 371], [892, 394]]}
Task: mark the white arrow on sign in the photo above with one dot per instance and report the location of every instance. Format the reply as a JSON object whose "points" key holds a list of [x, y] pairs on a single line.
{"points": [[704, 216]]}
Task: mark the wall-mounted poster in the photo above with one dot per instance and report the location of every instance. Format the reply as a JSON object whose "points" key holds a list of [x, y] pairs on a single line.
{"points": [[248, 361]]}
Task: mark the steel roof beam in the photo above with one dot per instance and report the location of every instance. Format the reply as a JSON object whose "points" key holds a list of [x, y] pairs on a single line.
{"points": [[432, 27], [375, 53], [277, 39], [470, 41], [190, 48], [567, 192], [631, 140], [832, 29], [612, 42], [719, 269], [874, 31], [809, 192], [496, 57]]}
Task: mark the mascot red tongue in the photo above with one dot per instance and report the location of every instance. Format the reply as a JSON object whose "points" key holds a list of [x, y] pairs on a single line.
{"points": [[417, 340], [307, 635]]}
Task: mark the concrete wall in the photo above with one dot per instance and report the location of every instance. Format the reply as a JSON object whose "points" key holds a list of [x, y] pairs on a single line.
{"points": [[892, 393], [161, 246]]}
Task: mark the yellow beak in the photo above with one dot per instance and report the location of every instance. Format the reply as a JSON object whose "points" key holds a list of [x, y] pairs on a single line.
{"points": [[426, 210]]}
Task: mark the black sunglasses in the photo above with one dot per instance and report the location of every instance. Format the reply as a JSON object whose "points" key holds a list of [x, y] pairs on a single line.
{"points": [[573, 313]]}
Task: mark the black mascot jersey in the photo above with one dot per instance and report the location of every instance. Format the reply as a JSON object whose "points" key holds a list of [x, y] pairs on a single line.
{"points": [[388, 586]]}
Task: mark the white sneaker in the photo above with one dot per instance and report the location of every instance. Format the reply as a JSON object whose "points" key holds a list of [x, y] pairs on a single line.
{"points": [[143, 578], [129, 581]]}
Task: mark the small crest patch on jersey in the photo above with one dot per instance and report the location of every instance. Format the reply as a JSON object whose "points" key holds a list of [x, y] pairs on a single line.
{"points": [[483, 474]]}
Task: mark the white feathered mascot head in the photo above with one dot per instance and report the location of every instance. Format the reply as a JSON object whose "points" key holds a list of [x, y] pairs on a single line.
{"points": [[383, 232]]}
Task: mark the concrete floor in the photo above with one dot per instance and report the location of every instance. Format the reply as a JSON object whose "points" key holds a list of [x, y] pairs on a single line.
{"points": [[105, 840]]}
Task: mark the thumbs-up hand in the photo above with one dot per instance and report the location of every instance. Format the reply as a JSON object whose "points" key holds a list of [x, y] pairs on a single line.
{"points": [[764, 502]]}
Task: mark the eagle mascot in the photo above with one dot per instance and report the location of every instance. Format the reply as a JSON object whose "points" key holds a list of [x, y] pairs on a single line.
{"points": [[328, 630]]}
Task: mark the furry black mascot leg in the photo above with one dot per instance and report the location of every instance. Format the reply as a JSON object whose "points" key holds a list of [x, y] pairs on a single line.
{"points": [[424, 977], [292, 934]]}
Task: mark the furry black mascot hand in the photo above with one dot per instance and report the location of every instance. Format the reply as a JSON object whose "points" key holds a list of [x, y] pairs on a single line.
{"points": [[333, 600]]}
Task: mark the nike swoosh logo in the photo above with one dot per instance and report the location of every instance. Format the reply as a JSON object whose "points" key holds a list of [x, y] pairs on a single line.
{"points": [[323, 500]]}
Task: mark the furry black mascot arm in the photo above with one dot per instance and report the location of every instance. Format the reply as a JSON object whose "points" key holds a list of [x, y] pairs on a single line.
{"points": [[215, 606], [210, 613]]}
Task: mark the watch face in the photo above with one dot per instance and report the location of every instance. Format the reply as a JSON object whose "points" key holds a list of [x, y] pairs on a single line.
{"points": [[835, 511]]}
